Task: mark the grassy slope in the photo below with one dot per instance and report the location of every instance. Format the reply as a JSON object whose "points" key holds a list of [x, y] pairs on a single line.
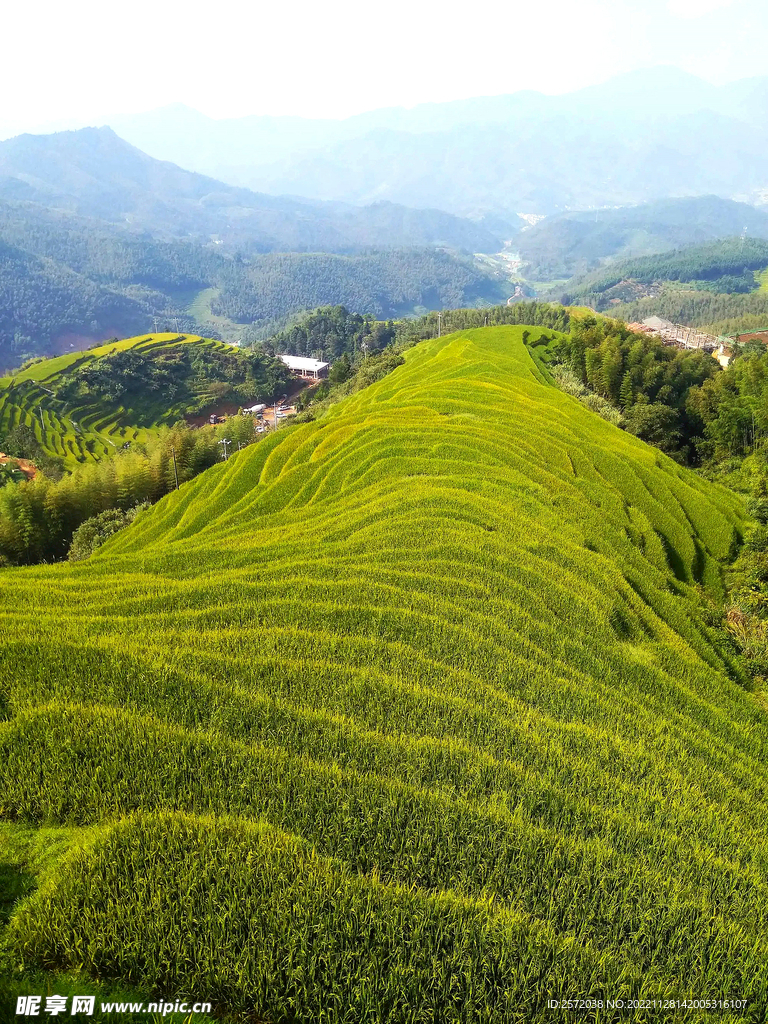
{"points": [[413, 714], [80, 433]]}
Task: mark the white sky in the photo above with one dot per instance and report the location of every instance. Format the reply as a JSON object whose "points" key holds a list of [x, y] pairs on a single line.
{"points": [[79, 63]]}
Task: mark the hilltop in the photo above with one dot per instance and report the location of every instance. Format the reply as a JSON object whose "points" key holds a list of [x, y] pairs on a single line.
{"points": [[699, 285], [85, 405], [427, 682]]}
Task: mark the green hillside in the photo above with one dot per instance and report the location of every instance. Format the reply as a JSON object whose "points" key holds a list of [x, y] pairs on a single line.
{"points": [[723, 268], [577, 242], [84, 405], [407, 714]]}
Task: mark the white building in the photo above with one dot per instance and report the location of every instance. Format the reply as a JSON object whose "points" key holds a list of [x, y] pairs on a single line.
{"points": [[302, 366]]}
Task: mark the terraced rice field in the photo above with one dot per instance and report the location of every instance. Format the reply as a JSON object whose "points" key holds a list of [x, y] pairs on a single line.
{"points": [[408, 714], [82, 433]]}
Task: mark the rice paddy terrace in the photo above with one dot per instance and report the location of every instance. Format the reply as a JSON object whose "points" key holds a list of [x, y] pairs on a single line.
{"points": [[93, 428], [407, 714]]}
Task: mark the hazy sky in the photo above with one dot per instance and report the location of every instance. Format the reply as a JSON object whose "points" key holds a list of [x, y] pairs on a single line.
{"points": [[69, 65]]}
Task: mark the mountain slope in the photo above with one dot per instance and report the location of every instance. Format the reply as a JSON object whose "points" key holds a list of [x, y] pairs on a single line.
{"points": [[721, 268], [84, 406], [95, 174], [574, 243], [384, 284], [424, 683], [640, 136], [45, 307]]}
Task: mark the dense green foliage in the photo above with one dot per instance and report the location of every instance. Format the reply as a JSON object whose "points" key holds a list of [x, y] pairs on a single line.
{"points": [[84, 406], [155, 383], [648, 381], [718, 314], [90, 535], [66, 281], [333, 331], [104, 254], [381, 284], [731, 408], [415, 715], [330, 332], [10, 473], [539, 314], [44, 305]]}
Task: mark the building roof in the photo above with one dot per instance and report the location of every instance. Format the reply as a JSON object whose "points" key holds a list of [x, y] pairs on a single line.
{"points": [[303, 363], [657, 323], [762, 335]]}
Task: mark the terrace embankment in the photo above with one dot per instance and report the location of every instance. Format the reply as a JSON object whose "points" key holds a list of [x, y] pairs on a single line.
{"points": [[409, 713]]}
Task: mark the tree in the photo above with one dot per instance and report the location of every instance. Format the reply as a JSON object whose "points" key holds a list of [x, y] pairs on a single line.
{"points": [[627, 392], [657, 425], [340, 370], [95, 531]]}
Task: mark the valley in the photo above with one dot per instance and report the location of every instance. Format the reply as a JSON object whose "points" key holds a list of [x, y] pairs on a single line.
{"points": [[384, 522]]}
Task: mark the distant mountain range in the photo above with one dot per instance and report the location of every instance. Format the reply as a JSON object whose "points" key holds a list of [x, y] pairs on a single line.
{"points": [[575, 243], [94, 173], [642, 136], [97, 237]]}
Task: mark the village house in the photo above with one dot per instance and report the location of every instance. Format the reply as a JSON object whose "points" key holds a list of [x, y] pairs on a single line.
{"points": [[302, 366]]}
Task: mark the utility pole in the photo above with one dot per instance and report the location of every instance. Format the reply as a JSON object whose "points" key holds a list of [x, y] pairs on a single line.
{"points": [[439, 325], [225, 441], [175, 470], [276, 403]]}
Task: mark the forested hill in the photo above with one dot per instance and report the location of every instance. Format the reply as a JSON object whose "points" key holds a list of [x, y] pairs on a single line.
{"points": [[95, 174], [578, 242], [67, 281], [431, 684], [722, 267], [383, 284], [45, 307]]}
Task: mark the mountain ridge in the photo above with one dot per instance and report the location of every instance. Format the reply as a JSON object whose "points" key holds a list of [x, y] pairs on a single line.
{"points": [[649, 121], [93, 172]]}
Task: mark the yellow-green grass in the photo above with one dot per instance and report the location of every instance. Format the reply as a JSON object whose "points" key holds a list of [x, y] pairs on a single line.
{"points": [[407, 714], [761, 279], [87, 432]]}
